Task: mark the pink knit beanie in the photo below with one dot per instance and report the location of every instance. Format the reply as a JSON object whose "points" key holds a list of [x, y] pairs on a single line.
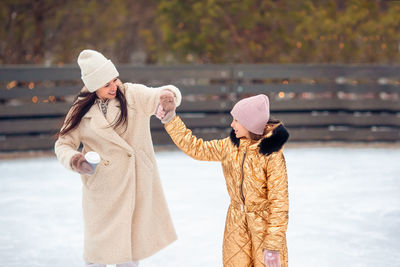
{"points": [[252, 113]]}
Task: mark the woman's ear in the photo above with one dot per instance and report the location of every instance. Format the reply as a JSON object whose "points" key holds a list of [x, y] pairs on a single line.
{"points": [[120, 85]]}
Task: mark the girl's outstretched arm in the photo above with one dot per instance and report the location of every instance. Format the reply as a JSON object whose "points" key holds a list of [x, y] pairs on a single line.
{"points": [[195, 147]]}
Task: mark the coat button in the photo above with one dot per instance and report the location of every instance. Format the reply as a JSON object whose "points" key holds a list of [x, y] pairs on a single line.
{"points": [[129, 155], [106, 163]]}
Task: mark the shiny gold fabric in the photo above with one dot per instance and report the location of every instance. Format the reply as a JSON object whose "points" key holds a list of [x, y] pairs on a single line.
{"points": [[257, 185]]}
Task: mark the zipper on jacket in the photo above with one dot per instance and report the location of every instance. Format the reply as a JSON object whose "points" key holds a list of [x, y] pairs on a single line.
{"points": [[241, 184]]}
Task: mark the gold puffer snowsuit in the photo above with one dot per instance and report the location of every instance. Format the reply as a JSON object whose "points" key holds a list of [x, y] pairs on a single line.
{"points": [[255, 174]]}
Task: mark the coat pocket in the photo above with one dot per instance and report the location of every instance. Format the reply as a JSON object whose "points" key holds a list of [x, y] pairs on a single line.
{"points": [[92, 181]]}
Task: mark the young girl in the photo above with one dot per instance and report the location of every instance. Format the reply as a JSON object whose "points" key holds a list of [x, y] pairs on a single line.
{"points": [[125, 214], [255, 172]]}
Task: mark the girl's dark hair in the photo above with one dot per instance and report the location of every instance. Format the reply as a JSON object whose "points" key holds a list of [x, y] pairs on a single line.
{"points": [[257, 137], [83, 102]]}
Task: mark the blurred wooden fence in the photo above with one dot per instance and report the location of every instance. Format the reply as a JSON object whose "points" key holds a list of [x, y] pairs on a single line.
{"points": [[316, 102]]}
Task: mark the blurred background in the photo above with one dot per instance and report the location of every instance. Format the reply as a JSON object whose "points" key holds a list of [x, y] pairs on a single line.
{"points": [[219, 31], [330, 68]]}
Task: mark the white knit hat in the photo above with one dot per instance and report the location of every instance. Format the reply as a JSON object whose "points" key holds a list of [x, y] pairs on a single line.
{"points": [[96, 70]]}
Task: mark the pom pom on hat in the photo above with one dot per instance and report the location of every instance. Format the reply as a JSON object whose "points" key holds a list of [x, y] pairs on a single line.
{"points": [[252, 113], [96, 70]]}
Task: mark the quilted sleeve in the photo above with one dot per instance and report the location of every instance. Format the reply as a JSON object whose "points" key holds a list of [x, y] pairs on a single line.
{"points": [[193, 146], [278, 200]]}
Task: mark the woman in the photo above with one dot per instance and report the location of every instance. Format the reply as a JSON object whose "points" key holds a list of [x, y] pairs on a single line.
{"points": [[126, 217], [255, 172]]}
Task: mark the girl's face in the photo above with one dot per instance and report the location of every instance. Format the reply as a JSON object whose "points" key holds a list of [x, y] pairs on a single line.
{"points": [[240, 131], [108, 91]]}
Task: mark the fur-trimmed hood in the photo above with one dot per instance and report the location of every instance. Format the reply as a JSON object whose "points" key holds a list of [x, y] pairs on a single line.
{"points": [[272, 141]]}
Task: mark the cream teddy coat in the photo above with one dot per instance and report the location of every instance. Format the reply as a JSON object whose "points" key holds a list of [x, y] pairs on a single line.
{"points": [[125, 213]]}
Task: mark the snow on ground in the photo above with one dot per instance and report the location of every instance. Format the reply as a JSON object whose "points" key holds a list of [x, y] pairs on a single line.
{"points": [[344, 210]]}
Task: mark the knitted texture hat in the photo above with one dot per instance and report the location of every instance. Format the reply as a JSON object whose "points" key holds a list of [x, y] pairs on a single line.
{"points": [[252, 113], [96, 70]]}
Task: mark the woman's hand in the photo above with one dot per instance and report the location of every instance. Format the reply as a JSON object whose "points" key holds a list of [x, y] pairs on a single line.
{"points": [[167, 100], [166, 108], [80, 165], [272, 258]]}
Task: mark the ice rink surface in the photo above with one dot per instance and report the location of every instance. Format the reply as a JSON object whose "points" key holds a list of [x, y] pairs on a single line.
{"points": [[344, 210]]}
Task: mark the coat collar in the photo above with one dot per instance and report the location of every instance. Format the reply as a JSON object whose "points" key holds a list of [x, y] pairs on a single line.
{"points": [[273, 140], [102, 127]]}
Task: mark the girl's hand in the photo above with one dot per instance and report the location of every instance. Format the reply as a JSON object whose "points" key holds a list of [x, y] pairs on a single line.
{"points": [[163, 116], [272, 258], [160, 113]]}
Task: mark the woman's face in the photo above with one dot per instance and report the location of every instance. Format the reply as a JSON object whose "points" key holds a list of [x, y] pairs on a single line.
{"points": [[240, 131], [108, 91]]}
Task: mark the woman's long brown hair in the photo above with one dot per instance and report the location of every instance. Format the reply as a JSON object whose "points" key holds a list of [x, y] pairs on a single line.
{"points": [[83, 102]]}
